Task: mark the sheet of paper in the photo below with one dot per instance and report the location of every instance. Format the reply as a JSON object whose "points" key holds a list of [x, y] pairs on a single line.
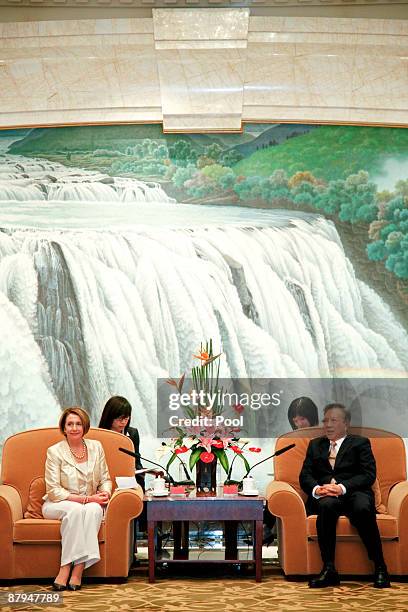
{"points": [[147, 471], [126, 482]]}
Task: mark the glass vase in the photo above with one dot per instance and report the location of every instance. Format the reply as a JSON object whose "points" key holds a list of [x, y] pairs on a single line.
{"points": [[206, 477]]}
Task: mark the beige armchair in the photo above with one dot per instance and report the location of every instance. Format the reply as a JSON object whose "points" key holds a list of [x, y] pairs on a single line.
{"points": [[298, 547], [31, 547]]}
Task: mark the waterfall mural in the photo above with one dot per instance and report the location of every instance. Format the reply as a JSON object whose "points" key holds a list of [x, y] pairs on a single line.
{"points": [[121, 249]]}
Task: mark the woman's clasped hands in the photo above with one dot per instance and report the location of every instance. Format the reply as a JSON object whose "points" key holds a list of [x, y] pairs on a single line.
{"points": [[101, 497]]}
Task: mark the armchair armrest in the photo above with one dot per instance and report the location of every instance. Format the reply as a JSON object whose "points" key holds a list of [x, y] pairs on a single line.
{"points": [[10, 511], [124, 505], [286, 503], [398, 507], [398, 500], [283, 500]]}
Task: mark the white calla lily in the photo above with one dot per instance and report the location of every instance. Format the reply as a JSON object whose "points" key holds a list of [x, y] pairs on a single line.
{"points": [[161, 451], [188, 442]]}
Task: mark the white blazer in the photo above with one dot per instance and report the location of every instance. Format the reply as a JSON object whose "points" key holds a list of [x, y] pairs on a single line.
{"points": [[63, 478]]}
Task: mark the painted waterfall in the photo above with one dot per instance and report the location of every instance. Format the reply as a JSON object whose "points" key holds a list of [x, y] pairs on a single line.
{"points": [[107, 283]]}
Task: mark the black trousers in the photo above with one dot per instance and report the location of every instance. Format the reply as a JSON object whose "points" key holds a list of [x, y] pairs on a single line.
{"points": [[359, 508]]}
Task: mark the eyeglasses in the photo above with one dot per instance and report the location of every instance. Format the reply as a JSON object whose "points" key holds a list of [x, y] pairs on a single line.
{"points": [[122, 418]]}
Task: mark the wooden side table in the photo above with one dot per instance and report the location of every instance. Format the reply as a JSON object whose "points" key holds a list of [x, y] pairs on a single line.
{"points": [[230, 509]]}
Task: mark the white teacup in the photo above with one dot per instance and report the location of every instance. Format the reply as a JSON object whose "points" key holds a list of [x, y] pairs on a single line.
{"points": [[248, 485], [159, 485]]}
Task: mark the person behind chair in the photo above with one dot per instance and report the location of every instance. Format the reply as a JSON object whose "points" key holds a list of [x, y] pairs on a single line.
{"points": [[337, 474], [78, 486], [303, 413], [116, 416]]}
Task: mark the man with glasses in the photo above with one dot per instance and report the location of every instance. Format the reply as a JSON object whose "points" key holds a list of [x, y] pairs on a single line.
{"points": [[337, 475]]}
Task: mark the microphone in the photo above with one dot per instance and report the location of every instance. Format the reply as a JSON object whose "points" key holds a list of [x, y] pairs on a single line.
{"points": [[275, 454], [167, 476]]}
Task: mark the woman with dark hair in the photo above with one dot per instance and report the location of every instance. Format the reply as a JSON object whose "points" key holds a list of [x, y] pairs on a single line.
{"points": [[303, 413], [116, 416]]}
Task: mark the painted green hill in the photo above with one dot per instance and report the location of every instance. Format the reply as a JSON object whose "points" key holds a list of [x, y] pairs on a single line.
{"points": [[330, 152], [90, 138]]}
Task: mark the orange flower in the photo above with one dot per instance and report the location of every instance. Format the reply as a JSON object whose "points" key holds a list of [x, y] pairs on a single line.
{"points": [[203, 356]]}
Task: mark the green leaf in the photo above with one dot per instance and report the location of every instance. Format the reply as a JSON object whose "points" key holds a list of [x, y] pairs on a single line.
{"points": [[170, 461], [194, 457], [247, 466], [222, 458]]}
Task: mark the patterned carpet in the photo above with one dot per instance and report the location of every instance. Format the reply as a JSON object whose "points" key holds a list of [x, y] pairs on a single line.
{"points": [[230, 594]]}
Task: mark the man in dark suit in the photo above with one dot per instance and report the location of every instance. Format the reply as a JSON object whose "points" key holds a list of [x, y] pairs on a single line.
{"points": [[337, 474]]}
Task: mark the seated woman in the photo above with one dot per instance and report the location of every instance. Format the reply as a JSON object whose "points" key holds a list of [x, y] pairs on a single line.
{"points": [[78, 486], [116, 416], [303, 413]]}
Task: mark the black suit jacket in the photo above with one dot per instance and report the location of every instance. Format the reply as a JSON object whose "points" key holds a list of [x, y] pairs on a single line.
{"points": [[354, 467], [134, 436]]}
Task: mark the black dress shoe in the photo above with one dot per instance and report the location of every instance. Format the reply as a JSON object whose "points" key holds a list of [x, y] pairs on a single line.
{"points": [[381, 578], [74, 587], [268, 540], [56, 586], [327, 577]]}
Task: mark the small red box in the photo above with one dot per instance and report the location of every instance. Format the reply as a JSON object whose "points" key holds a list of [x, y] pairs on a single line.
{"points": [[177, 490], [231, 489]]}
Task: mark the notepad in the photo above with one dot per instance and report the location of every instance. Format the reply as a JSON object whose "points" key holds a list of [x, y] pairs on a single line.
{"points": [[126, 482]]}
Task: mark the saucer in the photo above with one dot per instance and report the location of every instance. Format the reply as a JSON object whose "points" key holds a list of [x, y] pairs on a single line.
{"points": [[160, 493], [249, 493]]}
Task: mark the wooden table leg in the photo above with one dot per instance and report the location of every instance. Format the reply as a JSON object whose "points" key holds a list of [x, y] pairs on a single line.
{"points": [[151, 525], [258, 550], [231, 532], [180, 536], [185, 537]]}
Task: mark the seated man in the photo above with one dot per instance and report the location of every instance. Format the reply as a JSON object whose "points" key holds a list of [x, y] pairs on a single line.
{"points": [[337, 474]]}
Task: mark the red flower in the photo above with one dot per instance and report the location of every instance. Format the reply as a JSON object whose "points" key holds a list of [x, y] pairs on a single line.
{"points": [[239, 408], [181, 449], [217, 444], [207, 457], [254, 449], [236, 449]]}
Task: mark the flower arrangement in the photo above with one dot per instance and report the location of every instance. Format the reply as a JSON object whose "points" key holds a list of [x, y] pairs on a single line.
{"points": [[206, 442]]}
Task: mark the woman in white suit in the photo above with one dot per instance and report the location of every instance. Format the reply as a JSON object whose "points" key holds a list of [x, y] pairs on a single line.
{"points": [[78, 486]]}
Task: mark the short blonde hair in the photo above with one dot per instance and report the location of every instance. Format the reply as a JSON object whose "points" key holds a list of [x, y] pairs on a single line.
{"points": [[80, 412]]}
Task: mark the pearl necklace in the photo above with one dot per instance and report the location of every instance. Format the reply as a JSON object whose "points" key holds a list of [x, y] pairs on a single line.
{"points": [[80, 456]]}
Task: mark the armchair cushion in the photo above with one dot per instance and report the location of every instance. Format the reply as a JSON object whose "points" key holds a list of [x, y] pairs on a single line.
{"points": [[387, 525], [43, 530], [36, 493]]}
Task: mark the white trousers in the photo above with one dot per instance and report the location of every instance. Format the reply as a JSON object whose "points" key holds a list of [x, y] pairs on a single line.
{"points": [[80, 525]]}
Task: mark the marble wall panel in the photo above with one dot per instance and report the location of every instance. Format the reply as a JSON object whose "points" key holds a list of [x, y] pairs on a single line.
{"points": [[198, 24], [201, 83], [204, 69]]}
